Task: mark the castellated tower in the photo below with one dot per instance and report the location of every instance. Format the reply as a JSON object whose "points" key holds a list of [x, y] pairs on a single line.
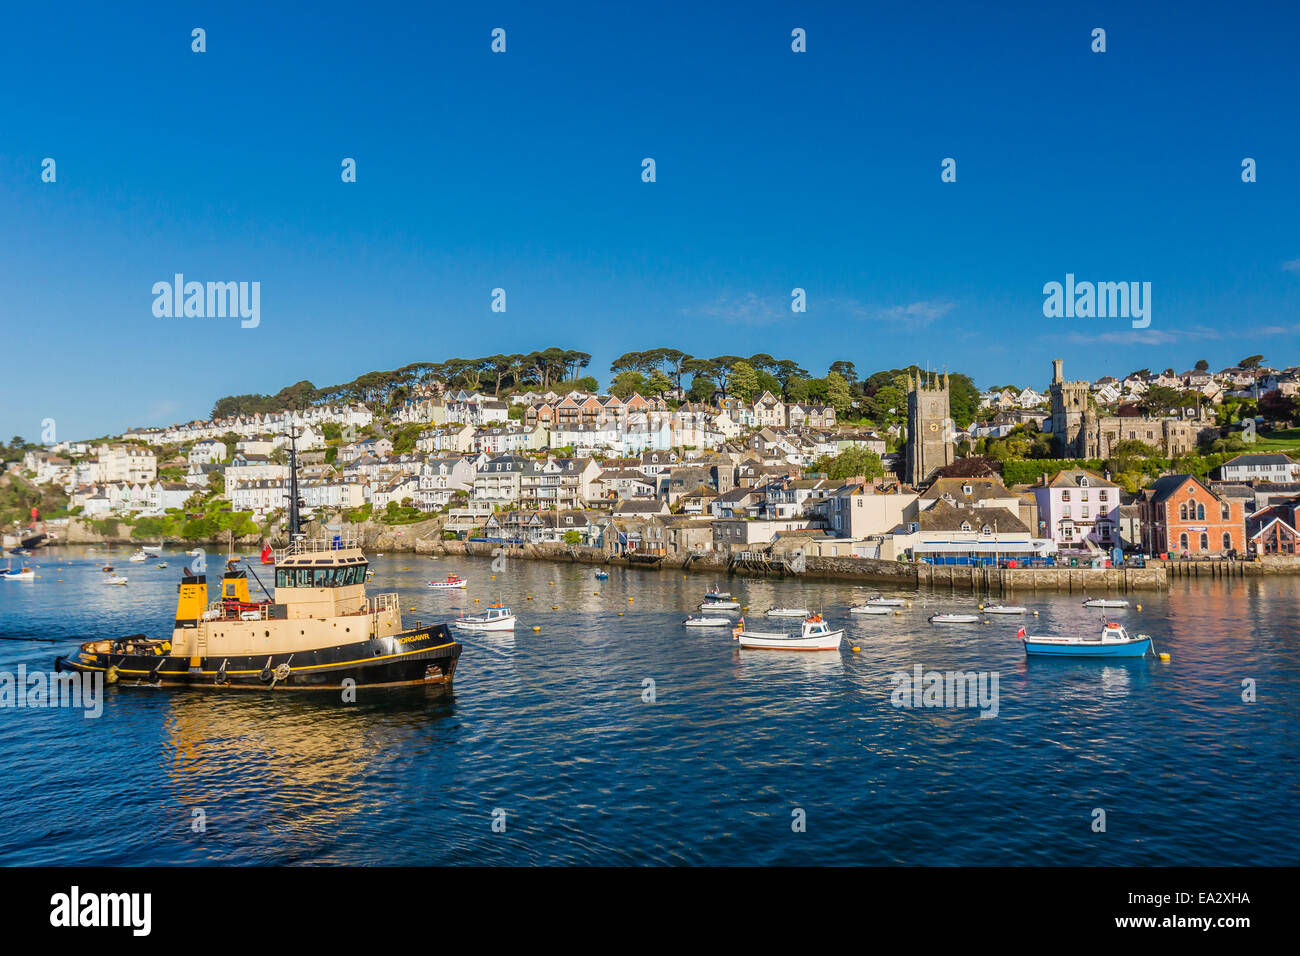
{"points": [[1074, 418], [929, 427]]}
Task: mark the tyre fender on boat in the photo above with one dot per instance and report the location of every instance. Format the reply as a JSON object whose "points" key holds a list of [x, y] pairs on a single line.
{"points": [[110, 675]]}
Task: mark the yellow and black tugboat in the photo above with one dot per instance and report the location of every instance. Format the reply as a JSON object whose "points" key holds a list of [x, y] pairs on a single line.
{"points": [[320, 630]]}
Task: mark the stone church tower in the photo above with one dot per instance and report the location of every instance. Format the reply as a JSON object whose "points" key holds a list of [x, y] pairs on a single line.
{"points": [[929, 427], [1074, 417]]}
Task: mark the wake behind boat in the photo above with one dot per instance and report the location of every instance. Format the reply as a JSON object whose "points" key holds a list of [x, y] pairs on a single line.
{"points": [[814, 635], [1112, 641]]}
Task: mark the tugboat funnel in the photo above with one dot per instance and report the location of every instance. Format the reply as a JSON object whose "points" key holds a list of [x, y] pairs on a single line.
{"points": [[193, 600]]}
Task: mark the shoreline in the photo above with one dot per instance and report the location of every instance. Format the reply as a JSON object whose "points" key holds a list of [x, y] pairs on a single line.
{"points": [[411, 539]]}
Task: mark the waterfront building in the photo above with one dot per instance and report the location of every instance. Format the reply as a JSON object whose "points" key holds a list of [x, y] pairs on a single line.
{"points": [[1182, 515], [1079, 510], [1265, 468]]}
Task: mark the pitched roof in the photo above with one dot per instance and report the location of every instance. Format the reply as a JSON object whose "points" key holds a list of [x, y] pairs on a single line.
{"points": [[943, 516]]}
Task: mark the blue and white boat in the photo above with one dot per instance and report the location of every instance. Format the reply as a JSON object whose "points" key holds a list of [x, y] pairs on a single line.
{"points": [[602, 575], [1112, 641]]}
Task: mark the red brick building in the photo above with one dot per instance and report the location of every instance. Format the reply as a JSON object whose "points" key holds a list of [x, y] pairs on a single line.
{"points": [[1182, 515]]}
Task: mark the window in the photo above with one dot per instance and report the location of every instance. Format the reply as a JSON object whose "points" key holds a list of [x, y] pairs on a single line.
{"points": [[1205, 541], [1182, 512], [1083, 482], [1200, 512], [1227, 541], [1065, 496], [1182, 541], [1101, 496], [1225, 513], [965, 526]]}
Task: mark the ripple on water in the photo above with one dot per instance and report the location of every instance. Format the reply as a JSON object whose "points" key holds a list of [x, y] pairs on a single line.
{"points": [[551, 728]]}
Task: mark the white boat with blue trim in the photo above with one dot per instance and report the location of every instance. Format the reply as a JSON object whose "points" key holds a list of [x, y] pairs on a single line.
{"points": [[1112, 641]]}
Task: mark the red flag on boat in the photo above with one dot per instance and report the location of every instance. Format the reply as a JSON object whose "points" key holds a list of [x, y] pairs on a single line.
{"points": [[1021, 632]]}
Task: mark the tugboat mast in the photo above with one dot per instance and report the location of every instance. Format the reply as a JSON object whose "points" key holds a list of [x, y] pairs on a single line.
{"points": [[295, 520]]}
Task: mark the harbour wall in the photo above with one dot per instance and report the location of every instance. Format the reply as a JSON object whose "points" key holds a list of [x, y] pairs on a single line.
{"points": [[863, 570]]}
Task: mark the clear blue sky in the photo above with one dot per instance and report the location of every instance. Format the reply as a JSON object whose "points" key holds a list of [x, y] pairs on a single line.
{"points": [[775, 170]]}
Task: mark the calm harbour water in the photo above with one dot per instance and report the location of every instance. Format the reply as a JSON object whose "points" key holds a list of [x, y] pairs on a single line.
{"points": [[551, 727]]}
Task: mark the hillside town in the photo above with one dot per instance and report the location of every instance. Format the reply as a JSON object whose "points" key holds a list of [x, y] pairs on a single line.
{"points": [[754, 460]]}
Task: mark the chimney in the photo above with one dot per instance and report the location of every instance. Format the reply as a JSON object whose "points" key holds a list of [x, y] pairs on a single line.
{"points": [[1057, 375]]}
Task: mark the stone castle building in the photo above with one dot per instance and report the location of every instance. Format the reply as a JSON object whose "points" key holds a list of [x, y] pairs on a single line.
{"points": [[1082, 433], [929, 427]]}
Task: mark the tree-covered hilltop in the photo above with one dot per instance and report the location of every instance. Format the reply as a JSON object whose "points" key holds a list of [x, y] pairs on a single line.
{"points": [[385, 390], [880, 397]]}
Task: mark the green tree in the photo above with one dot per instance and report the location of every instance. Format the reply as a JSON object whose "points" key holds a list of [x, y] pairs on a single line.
{"points": [[848, 463], [838, 393], [626, 383], [744, 381]]}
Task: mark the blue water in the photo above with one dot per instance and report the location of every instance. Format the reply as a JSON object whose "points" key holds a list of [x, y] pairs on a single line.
{"points": [[550, 727]]}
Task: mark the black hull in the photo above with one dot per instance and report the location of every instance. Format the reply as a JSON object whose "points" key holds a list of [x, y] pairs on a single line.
{"points": [[427, 655]]}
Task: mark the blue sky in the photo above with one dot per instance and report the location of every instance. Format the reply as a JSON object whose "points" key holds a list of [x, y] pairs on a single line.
{"points": [[522, 170]]}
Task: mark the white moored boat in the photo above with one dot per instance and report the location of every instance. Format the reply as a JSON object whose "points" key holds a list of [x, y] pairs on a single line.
{"points": [[868, 609], [497, 618], [1003, 609], [814, 635], [716, 594], [139, 557], [1104, 602], [1112, 641], [787, 612], [26, 574], [720, 606], [707, 622], [881, 601], [154, 549], [954, 619], [115, 580], [452, 582]]}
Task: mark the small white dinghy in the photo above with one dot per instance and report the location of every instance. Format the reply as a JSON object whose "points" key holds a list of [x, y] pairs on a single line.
{"points": [[814, 635], [154, 549], [717, 594], [1003, 609], [720, 606], [954, 619], [788, 612], [452, 582], [868, 609], [1104, 602], [115, 581], [881, 601], [26, 574], [707, 622], [138, 557], [497, 618]]}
